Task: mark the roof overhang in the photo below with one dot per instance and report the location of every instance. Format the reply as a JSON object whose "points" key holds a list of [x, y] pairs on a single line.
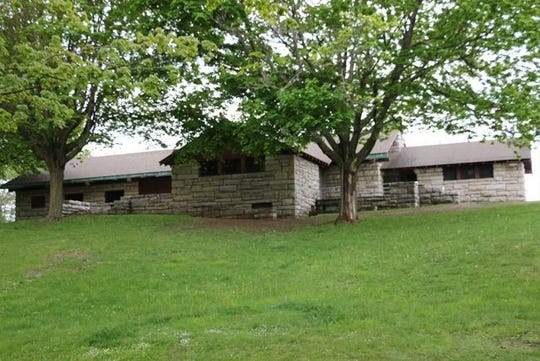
{"points": [[114, 178]]}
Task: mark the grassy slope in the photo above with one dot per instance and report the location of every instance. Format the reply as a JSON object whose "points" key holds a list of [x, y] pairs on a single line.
{"points": [[443, 286]]}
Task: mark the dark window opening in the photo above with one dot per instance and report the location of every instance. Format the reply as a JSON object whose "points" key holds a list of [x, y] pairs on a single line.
{"points": [[155, 185], [240, 164], [232, 166], [450, 173], [208, 167], [254, 164], [261, 205], [111, 196], [468, 171], [528, 166], [74, 197], [485, 170], [399, 175], [38, 202]]}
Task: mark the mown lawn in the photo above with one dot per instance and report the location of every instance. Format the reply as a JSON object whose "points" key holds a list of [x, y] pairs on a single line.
{"points": [[461, 285]]}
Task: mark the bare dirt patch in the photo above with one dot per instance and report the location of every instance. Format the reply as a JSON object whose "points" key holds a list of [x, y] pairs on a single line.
{"points": [[72, 261]]}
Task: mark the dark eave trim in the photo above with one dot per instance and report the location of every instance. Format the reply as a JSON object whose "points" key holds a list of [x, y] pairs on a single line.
{"points": [[13, 187]]}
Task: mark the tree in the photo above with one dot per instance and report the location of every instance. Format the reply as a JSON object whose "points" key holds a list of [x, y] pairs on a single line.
{"points": [[342, 73], [72, 69]]}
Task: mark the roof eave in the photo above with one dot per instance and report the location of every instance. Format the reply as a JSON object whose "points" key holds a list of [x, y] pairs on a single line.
{"points": [[455, 163], [14, 187], [377, 156]]}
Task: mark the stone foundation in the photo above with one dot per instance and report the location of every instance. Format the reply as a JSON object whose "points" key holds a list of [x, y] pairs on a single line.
{"points": [[369, 184], [396, 195]]}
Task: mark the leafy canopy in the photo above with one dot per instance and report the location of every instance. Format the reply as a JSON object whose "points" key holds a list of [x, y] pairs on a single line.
{"points": [[70, 70], [343, 70]]}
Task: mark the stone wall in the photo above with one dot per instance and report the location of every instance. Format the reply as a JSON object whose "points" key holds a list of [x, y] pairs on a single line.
{"points": [[70, 208], [370, 182], [23, 204], [143, 204], [307, 185], [507, 184], [430, 178], [396, 195], [429, 195], [94, 193], [398, 145], [246, 195], [401, 195]]}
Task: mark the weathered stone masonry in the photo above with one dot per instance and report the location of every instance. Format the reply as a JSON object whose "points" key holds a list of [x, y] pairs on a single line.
{"points": [[369, 184], [240, 195], [507, 184], [93, 193]]}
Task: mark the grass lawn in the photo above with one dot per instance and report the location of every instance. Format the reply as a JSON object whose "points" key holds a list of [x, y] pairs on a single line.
{"points": [[460, 285]]}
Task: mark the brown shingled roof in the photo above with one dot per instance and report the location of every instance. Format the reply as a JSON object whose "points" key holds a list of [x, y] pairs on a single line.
{"points": [[112, 167], [457, 153]]}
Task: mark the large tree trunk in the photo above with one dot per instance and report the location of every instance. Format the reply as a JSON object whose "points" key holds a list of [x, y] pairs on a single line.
{"points": [[347, 209], [56, 190]]}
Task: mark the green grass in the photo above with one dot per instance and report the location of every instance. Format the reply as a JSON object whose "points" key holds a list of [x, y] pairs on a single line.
{"points": [[462, 285]]}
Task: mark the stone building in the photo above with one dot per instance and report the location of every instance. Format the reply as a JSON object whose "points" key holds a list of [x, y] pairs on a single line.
{"points": [[286, 184], [101, 180]]}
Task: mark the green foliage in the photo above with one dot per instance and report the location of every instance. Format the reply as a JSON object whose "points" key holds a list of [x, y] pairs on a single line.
{"points": [[457, 285], [342, 73], [73, 70], [342, 67]]}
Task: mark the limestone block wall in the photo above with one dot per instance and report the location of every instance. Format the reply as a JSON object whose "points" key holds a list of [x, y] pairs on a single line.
{"points": [[401, 195], [94, 193], [398, 145], [23, 204], [71, 207], [507, 184], [429, 195], [396, 195], [430, 178], [307, 185], [236, 195], [370, 181], [143, 204]]}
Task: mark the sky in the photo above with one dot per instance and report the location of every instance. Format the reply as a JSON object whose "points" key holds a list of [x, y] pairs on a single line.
{"points": [[412, 139]]}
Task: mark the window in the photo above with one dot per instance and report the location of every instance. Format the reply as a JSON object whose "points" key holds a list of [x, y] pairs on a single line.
{"points": [[528, 166], [234, 165], [74, 197], [485, 170], [261, 205], [208, 167], [38, 202], [111, 196], [399, 175], [155, 185], [254, 164], [450, 173], [468, 171]]}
